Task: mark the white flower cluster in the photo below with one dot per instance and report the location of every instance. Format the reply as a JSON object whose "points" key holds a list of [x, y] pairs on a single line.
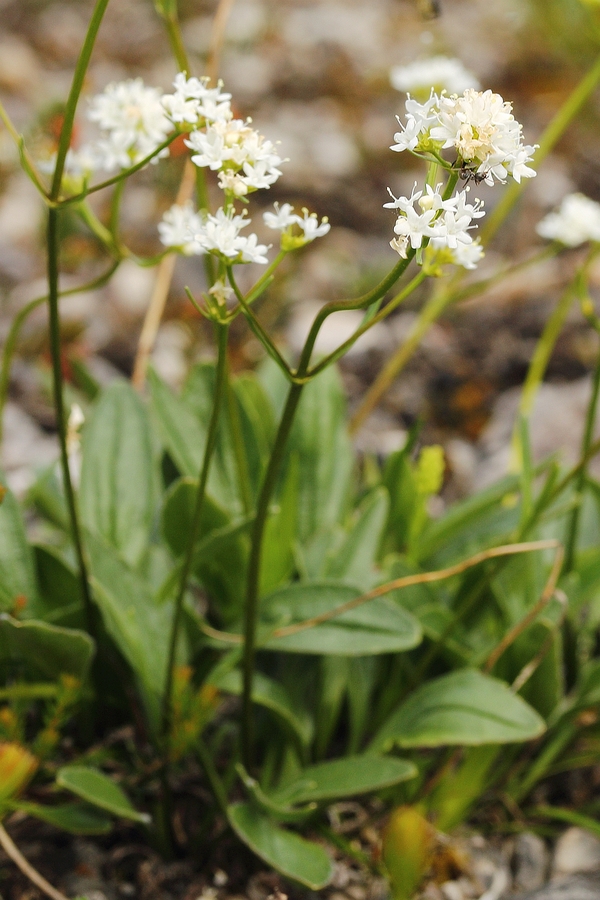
{"points": [[133, 121], [575, 222], [437, 72], [192, 234], [445, 223], [478, 125], [284, 218]]}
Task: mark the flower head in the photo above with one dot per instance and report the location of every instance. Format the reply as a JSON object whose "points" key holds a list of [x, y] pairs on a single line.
{"points": [[133, 121], [576, 221]]}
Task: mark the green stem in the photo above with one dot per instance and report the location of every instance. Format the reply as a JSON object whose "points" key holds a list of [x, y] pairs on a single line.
{"points": [[115, 179], [73, 99], [372, 320], [53, 294], [211, 439], [26, 161], [214, 780], [20, 319], [253, 578], [361, 302], [553, 131], [590, 419], [257, 328]]}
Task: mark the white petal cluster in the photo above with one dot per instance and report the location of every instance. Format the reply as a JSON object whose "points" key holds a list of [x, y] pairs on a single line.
{"points": [[468, 255], [177, 228], [284, 218], [437, 72], [478, 125], [132, 121], [192, 233], [445, 223], [244, 159], [575, 222], [194, 104]]}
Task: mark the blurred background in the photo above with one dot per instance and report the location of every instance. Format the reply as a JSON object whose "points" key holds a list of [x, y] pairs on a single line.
{"points": [[314, 75]]}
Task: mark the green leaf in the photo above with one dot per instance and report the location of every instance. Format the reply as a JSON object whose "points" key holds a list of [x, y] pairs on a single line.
{"points": [[464, 707], [280, 534], [347, 777], [471, 524], [139, 626], [379, 626], [320, 441], [60, 601], [98, 789], [294, 857], [117, 480], [197, 396], [354, 560], [76, 818], [42, 649], [271, 695], [181, 433], [221, 551], [17, 572]]}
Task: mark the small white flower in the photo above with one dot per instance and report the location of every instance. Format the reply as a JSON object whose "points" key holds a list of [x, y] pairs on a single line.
{"points": [[575, 222], [415, 226], [260, 174], [221, 292], [400, 245], [419, 119], [309, 224], [438, 72], [468, 255], [177, 229], [233, 182], [252, 251], [282, 218], [453, 226], [193, 100]]}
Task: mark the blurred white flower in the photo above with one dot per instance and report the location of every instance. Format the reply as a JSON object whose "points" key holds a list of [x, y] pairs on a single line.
{"points": [[193, 100], [576, 221], [177, 228], [468, 255], [134, 122], [437, 72]]}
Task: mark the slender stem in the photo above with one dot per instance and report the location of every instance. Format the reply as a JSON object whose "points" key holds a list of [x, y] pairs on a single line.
{"points": [[372, 320], [361, 302], [252, 598], [20, 319], [177, 46], [73, 99], [28, 164], [208, 765], [590, 420], [115, 179], [211, 439], [257, 328], [13, 852], [54, 323]]}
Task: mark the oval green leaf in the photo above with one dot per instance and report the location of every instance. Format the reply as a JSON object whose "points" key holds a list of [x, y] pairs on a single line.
{"points": [[76, 818], [346, 778], [98, 789], [294, 857], [465, 708], [379, 626]]}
